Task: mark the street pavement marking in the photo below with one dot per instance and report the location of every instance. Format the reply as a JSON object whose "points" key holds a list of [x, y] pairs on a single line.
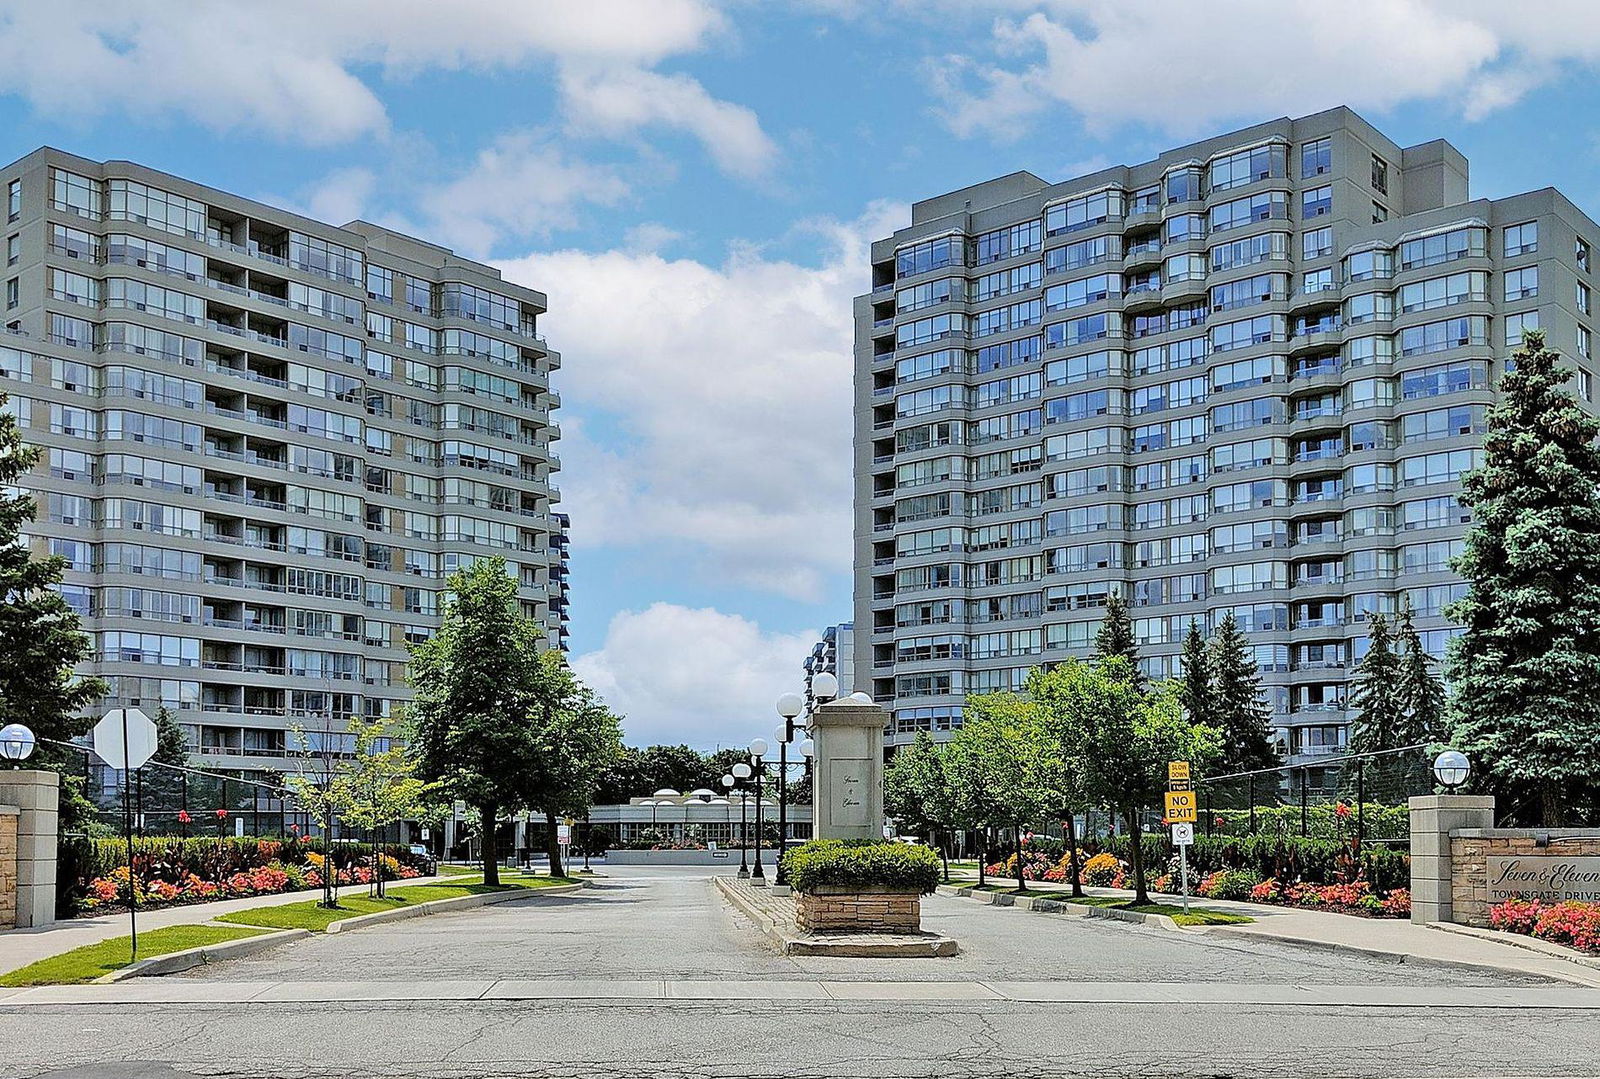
{"points": [[643, 992]]}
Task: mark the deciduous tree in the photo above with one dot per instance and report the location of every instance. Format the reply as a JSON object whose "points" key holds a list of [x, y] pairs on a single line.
{"points": [[1121, 741], [477, 682]]}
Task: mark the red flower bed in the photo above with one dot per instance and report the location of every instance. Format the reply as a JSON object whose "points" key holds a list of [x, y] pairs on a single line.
{"points": [[1574, 924]]}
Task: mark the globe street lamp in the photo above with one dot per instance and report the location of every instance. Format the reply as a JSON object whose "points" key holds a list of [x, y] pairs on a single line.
{"points": [[1451, 768], [758, 750], [16, 743], [790, 705], [741, 773]]}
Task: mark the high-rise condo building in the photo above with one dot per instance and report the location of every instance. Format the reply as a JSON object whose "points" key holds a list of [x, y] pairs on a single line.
{"points": [[833, 654], [1246, 376], [267, 442]]}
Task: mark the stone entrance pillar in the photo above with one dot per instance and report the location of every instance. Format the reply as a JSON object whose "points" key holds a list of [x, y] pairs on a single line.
{"points": [[1433, 818], [36, 796], [847, 788]]}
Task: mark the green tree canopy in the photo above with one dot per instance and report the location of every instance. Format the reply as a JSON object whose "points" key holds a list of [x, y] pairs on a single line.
{"points": [[1525, 672], [1380, 721], [1121, 741], [477, 683], [1239, 709], [1420, 691], [1002, 763], [575, 738], [1115, 638], [1195, 690]]}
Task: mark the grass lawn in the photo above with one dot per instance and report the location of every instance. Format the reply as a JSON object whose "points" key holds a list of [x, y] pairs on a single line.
{"points": [[1196, 915], [354, 901], [94, 960], [460, 870]]}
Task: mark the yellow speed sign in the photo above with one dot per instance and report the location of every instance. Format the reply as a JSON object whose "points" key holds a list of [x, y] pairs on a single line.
{"points": [[1181, 807]]}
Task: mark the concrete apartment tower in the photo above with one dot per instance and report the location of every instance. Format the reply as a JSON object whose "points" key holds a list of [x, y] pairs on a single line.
{"points": [[1246, 376], [268, 441]]}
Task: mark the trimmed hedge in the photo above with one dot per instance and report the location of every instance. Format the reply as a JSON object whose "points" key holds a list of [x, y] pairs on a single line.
{"points": [[1289, 858], [862, 864]]}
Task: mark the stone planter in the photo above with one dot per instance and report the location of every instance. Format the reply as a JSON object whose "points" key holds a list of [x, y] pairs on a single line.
{"points": [[851, 909]]}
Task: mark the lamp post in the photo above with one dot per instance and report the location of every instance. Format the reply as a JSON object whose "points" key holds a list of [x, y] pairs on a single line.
{"points": [[790, 705], [740, 773], [758, 766], [16, 743], [1451, 768]]}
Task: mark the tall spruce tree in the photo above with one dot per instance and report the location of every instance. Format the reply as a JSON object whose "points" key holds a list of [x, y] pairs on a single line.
{"points": [[1525, 673], [1375, 695], [1239, 709], [1420, 690], [1115, 638], [1195, 690], [40, 639]]}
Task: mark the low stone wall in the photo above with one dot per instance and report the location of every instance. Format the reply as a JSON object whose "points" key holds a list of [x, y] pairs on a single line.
{"points": [[8, 867], [1550, 864], [877, 911]]}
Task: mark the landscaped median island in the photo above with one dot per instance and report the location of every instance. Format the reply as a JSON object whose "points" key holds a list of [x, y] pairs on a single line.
{"points": [[1196, 916], [861, 886], [96, 960]]}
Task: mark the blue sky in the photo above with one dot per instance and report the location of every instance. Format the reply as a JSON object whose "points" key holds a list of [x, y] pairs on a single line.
{"points": [[694, 182]]}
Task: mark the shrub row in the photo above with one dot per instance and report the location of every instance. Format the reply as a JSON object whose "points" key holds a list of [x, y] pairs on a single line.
{"points": [[1310, 860], [862, 864]]}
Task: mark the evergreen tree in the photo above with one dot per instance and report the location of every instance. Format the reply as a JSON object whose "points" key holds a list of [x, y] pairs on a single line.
{"points": [[1380, 720], [40, 640], [1240, 711], [1195, 691], [1525, 673], [1115, 638], [1420, 691]]}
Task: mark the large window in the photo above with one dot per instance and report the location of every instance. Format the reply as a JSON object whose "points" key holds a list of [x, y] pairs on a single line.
{"points": [[930, 255], [1248, 166], [1084, 212], [76, 194], [130, 201], [1006, 242]]}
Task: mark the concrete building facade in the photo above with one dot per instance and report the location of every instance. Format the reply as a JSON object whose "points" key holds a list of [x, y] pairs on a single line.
{"points": [[267, 443], [1246, 376], [834, 654]]}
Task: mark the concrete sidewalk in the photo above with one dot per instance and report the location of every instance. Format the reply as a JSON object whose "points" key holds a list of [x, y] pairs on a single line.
{"points": [[1384, 937], [672, 993], [19, 947]]}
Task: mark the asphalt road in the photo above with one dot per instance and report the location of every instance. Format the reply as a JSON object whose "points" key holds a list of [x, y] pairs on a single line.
{"points": [[671, 925]]}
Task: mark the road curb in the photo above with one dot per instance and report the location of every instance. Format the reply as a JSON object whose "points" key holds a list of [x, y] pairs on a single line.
{"points": [[1050, 905], [173, 962], [440, 906], [930, 946], [1518, 940]]}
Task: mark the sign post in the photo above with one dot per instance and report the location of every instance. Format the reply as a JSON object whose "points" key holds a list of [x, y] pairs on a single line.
{"points": [[125, 738], [1182, 812]]}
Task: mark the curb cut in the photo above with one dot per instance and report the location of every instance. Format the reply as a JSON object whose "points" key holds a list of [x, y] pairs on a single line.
{"points": [[173, 962], [1517, 940], [1047, 905], [932, 946], [439, 906]]}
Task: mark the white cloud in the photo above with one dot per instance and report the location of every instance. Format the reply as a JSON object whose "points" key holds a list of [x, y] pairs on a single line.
{"points": [[723, 394], [618, 101], [521, 185], [341, 196], [1183, 67], [697, 675], [650, 237], [299, 69]]}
